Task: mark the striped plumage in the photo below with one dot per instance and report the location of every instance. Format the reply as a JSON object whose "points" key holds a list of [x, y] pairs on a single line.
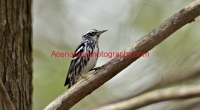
{"points": [[83, 64]]}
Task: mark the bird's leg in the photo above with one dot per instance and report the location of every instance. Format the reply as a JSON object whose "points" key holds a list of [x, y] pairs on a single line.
{"points": [[97, 68], [84, 77]]}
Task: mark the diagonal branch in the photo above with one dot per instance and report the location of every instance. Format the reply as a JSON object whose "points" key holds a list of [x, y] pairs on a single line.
{"points": [[4, 95], [116, 65], [172, 81], [155, 96]]}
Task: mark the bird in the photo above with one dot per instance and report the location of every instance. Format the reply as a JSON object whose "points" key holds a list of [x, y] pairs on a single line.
{"points": [[80, 63]]}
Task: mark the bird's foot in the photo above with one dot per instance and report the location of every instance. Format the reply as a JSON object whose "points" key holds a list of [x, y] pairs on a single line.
{"points": [[97, 68], [84, 77]]}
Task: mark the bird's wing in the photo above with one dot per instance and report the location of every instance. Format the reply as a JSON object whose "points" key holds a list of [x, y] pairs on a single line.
{"points": [[74, 69]]}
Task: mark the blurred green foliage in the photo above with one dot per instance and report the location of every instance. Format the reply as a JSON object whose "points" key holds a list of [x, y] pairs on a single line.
{"points": [[58, 26]]}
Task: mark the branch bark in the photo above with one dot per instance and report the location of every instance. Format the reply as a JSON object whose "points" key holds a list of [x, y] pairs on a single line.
{"points": [[116, 65], [4, 95], [184, 77], [155, 96]]}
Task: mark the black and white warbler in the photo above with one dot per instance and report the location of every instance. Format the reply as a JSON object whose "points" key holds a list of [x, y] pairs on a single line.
{"points": [[80, 63]]}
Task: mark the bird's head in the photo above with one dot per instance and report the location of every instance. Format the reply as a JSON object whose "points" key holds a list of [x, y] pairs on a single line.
{"points": [[93, 34]]}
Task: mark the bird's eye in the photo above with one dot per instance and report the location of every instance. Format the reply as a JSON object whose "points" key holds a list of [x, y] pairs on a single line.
{"points": [[92, 33]]}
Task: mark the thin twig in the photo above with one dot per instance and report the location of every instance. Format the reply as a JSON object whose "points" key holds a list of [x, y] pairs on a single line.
{"points": [[4, 95], [155, 96]]}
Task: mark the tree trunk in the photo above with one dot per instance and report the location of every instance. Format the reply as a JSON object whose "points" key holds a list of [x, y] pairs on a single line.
{"points": [[16, 52]]}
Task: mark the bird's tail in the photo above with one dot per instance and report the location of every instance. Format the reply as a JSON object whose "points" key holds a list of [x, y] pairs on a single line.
{"points": [[71, 80], [67, 81]]}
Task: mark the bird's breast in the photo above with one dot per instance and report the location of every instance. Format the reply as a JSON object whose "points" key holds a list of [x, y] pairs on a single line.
{"points": [[92, 61]]}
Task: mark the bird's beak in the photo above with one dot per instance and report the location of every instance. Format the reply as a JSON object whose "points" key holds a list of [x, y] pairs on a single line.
{"points": [[100, 32]]}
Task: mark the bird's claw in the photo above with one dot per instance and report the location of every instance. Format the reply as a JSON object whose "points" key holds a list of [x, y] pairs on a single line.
{"points": [[97, 68], [84, 77]]}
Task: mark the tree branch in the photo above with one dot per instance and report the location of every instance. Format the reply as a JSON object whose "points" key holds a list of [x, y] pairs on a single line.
{"points": [[116, 65], [155, 96], [4, 95], [184, 77], [188, 75]]}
